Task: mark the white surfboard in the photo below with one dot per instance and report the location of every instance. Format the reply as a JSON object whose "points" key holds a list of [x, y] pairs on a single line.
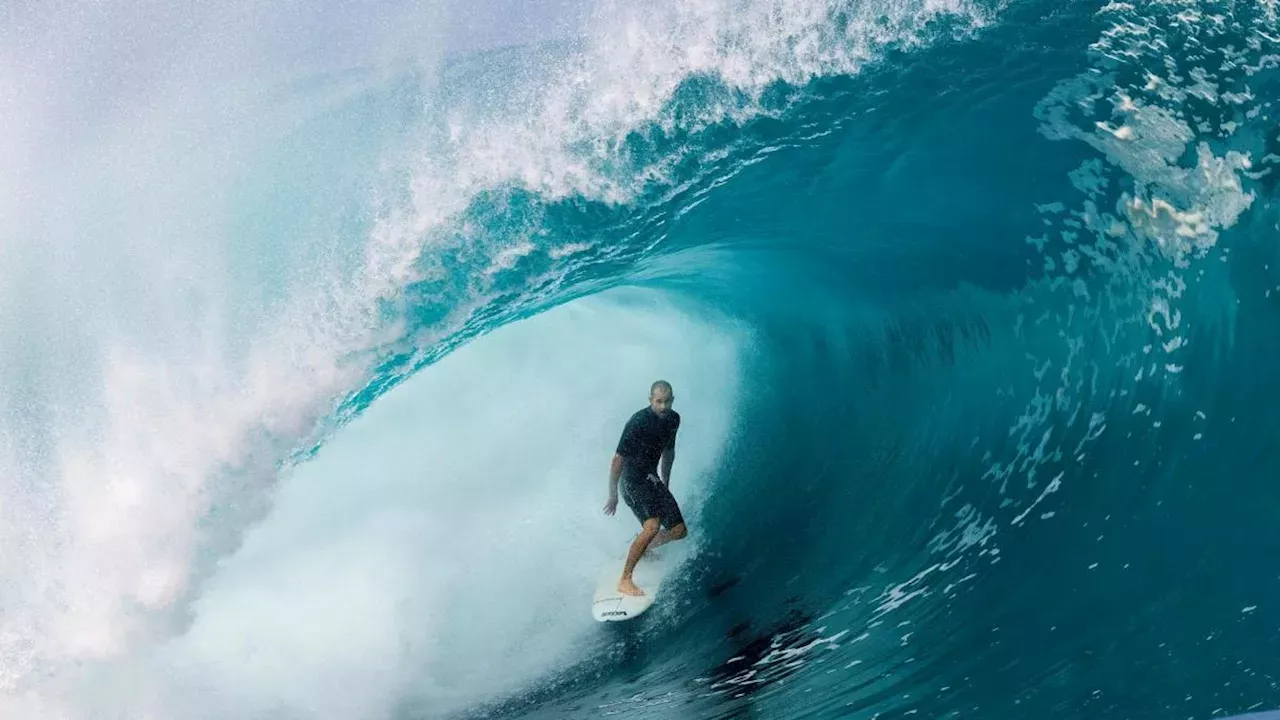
{"points": [[609, 605]]}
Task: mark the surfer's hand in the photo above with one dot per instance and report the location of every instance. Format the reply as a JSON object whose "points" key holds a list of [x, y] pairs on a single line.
{"points": [[611, 505]]}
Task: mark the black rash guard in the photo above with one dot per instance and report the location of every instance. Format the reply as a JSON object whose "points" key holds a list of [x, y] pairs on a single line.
{"points": [[643, 441]]}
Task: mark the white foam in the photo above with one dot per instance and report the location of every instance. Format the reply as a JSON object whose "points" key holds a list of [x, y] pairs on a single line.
{"points": [[638, 56], [389, 564]]}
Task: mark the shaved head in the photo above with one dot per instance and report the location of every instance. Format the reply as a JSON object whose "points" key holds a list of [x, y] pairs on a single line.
{"points": [[661, 396]]}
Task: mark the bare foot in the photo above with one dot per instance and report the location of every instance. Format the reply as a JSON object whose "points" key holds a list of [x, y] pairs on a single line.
{"points": [[626, 587]]}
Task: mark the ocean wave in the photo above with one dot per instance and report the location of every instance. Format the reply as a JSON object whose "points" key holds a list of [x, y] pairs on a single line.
{"points": [[950, 290]]}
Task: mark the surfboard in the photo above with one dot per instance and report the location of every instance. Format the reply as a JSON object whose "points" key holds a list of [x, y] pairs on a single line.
{"points": [[609, 605]]}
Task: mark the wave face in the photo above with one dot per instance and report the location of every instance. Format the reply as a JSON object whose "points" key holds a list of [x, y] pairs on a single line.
{"points": [[321, 326]]}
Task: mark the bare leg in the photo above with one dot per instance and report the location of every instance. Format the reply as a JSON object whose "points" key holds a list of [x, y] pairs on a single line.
{"points": [[638, 547], [663, 537], [676, 533]]}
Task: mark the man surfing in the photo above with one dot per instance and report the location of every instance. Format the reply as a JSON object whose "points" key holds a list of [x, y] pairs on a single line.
{"points": [[648, 439]]}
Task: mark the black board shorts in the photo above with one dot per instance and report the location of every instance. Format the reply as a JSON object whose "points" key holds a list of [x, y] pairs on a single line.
{"points": [[649, 497]]}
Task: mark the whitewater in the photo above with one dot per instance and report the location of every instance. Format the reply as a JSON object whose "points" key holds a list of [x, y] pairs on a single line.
{"points": [[321, 321]]}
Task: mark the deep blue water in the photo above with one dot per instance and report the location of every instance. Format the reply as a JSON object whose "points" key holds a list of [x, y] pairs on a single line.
{"points": [[974, 339]]}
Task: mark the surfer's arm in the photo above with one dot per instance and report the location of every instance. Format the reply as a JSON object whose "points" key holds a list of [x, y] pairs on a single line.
{"points": [[615, 472], [668, 456], [626, 446]]}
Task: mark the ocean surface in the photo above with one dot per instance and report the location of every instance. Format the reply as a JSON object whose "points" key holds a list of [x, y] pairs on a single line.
{"points": [[318, 338]]}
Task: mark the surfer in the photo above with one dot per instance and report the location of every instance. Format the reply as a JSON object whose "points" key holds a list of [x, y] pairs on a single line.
{"points": [[643, 461]]}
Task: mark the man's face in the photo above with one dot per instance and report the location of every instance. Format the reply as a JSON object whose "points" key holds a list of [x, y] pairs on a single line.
{"points": [[660, 400]]}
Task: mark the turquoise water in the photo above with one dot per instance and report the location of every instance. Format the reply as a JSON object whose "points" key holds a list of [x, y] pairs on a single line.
{"points": [[969, 309]]}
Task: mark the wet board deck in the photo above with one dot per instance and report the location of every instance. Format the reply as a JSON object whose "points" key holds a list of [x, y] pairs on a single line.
{"points": [[609, 605]]}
